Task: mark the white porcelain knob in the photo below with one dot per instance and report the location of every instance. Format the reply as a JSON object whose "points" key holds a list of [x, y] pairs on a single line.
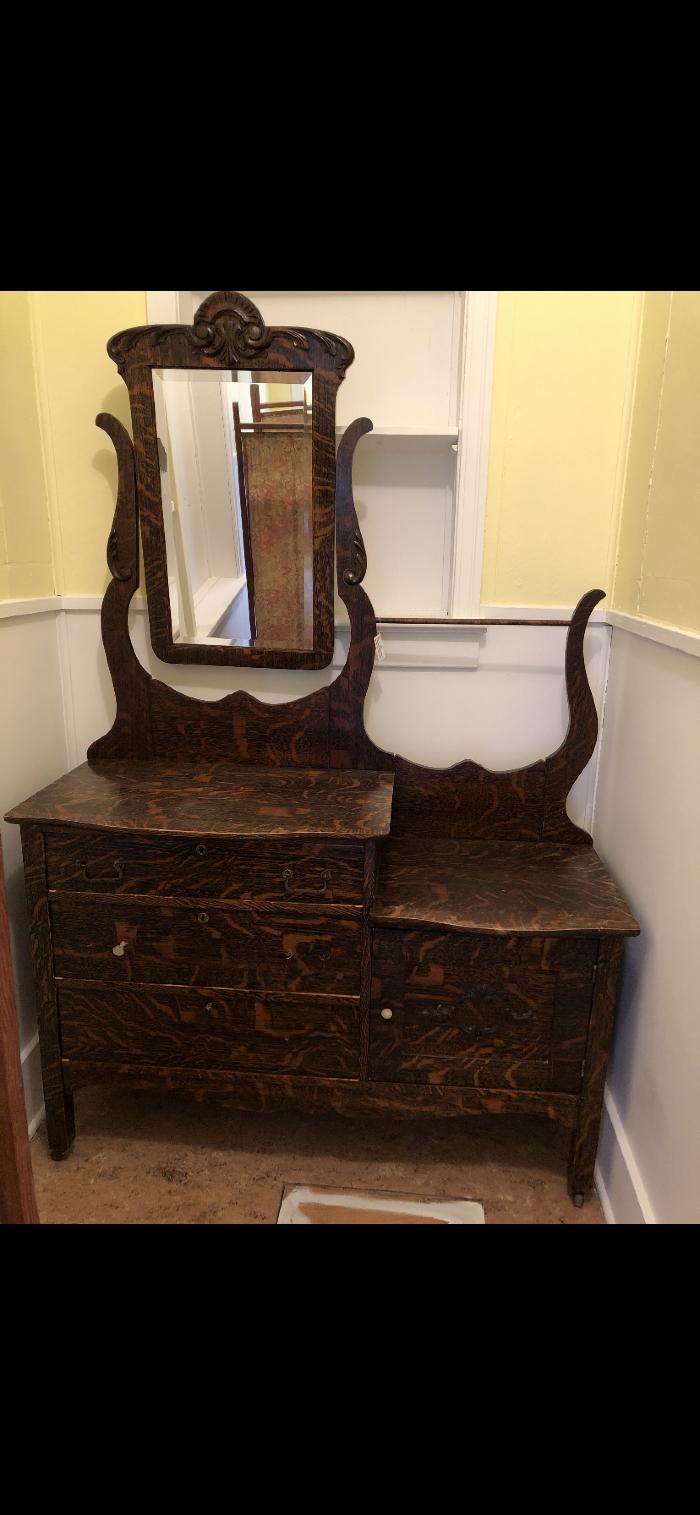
{"points": [[387, 1015]]}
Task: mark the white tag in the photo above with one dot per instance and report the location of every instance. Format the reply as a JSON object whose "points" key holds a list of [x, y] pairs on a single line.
{"points": [[379, 647]]}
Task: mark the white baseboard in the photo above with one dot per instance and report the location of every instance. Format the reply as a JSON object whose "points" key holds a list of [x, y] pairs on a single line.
{"points": [[36, 1121], [618, 1181], [603, 1196], [30, 1060]]}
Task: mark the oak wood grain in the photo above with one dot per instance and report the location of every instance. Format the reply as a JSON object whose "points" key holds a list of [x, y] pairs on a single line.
{"points": [[497, 1011], [60, 1113], [498, 887], [206, 1028], [248, 871], [585, 1140], [17, 1197], [140, 941], [187, 798], [258, 1092]]}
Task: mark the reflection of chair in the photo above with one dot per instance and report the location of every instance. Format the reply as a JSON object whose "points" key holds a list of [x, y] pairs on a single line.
{"points": [[274, 472], [270, 413]]}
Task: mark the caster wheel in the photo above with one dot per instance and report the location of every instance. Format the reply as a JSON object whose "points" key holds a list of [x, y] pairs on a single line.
{"points": [[578, 1201], [60, 1157]]}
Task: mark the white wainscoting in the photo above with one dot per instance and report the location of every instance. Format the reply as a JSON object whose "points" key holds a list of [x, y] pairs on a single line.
{"points": [[647, 831], [33, 752], [509, 711]]}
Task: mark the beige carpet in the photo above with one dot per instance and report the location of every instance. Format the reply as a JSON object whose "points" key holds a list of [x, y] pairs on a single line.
{"points": [[163, 1159]]}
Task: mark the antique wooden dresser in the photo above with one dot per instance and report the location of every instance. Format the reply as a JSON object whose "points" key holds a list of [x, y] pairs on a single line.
{"points": [[254, 902]]}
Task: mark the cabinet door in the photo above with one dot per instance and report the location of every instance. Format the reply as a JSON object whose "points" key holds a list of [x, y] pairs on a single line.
{"points": [[483, 1010]]}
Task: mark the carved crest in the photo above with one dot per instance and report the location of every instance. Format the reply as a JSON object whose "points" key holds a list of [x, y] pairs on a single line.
{"points": [[230, 328]]}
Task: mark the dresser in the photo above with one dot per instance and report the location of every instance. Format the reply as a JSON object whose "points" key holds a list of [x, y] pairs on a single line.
{"points": [[257, 934], [253, 902]]}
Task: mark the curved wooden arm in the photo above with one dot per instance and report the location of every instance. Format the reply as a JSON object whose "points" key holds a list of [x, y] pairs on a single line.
{"points": [[565, 765], [131, 732]]}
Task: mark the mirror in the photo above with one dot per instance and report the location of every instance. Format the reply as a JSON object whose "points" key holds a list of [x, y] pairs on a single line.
{"points": [[235, 455], [235, 458]]}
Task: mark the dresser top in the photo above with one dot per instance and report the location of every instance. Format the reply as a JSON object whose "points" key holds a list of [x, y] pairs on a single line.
{"points": [[216, 799], [499, 888]]}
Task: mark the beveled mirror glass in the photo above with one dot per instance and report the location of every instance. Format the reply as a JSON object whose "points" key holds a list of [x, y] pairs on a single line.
{"points": [[234, 438], [235, 455]]}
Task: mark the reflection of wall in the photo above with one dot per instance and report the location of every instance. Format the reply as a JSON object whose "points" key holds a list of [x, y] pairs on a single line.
{"points": [[203, 542]]}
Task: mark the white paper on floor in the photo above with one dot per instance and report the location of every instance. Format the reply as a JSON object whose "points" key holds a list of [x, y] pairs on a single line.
{"points": [[304, 1205]]}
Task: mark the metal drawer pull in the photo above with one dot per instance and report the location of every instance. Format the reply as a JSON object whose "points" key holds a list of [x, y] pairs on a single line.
{"points": [[117, 871], [203, 917], [210, 1005], [288, 876], [387, 1015], [200, 849], [120, 950]]}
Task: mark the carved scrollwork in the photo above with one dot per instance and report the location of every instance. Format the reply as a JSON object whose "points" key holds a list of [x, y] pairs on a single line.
{"points": [[230, 328], [121, 574], [354, 576]]}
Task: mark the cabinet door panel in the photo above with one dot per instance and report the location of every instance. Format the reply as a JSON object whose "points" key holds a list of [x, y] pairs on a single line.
{"points": [[487, 1011]]}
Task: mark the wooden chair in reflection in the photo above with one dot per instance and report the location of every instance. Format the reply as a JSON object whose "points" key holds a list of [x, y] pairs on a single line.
{"points": [[274, 478], [287, 413]]}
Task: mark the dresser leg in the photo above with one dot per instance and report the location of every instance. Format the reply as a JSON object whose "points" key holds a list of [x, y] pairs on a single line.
{"points": [[584, 1143], [581, 1165], [60, 1118], [60, 1125]]}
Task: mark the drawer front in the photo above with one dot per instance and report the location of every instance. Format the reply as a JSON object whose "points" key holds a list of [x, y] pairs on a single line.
{"points": [[490, 1011], [129, 941], [100, 863], [200, 1028]]}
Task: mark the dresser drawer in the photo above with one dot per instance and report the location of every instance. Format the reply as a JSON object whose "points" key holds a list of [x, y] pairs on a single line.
{"points": [[130, 941], [200, 1028], [101, 863], [490, 1011]]}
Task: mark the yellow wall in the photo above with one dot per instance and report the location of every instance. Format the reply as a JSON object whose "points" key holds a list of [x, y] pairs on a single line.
{"points": [[26, 566], [563, 386], [77, 380], [595, 446], [658, 571]]}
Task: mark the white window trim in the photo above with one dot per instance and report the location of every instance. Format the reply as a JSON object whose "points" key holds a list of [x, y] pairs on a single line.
{"points": [[474, 422]]}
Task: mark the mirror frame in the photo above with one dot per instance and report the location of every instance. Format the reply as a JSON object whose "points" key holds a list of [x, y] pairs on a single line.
{"points": [[228, 332]]}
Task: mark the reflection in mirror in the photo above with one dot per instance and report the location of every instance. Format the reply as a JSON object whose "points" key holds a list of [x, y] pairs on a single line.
{"points": [[235, 455]]}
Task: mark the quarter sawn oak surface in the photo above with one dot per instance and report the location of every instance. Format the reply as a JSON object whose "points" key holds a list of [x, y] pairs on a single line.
{"points": [[499, 887], [214, 799]]}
